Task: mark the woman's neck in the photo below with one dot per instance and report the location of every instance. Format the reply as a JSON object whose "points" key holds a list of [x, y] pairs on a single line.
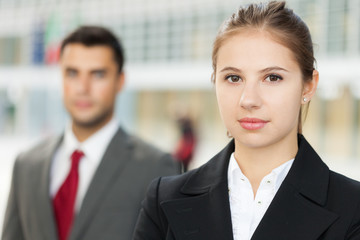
{"points": [[256, 163]]}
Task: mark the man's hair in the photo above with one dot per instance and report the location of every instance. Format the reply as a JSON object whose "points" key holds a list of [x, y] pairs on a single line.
{"points": [[93, 36]]}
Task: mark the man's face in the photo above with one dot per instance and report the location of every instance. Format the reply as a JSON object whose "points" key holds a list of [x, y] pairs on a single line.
{"points": [[90, 82]]}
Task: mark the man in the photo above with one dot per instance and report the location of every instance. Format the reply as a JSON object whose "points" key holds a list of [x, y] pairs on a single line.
{"points": [[88, 183]]}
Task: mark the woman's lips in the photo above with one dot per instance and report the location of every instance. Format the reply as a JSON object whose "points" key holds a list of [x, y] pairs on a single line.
{"points": [[252, 123]]}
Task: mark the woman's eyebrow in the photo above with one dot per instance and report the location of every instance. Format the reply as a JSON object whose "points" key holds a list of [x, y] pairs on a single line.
{"points": [[274, 68], [268, 69], [232, 69]]}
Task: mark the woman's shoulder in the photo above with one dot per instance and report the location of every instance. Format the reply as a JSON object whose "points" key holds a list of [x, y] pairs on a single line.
{"points": [[344, 200], [343, 194], [343, 184], [194, 182], [171, 186]]}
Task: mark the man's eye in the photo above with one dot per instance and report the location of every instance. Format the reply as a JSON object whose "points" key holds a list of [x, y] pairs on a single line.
{"points": [[233, 78], [71, 73], [273, 78], [99, 74]]}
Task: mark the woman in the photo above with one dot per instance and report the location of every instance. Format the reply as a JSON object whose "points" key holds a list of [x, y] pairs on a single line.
{"points": [[268, 183]]}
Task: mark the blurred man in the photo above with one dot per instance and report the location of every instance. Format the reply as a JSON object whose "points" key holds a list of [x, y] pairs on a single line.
{"points": [[89, 182]]}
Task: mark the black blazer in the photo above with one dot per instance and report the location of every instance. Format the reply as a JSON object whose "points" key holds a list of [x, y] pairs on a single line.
{"points": [[312, 203]]}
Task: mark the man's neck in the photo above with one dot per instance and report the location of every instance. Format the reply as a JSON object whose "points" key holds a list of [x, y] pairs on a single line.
{"points": [[82, 133]]}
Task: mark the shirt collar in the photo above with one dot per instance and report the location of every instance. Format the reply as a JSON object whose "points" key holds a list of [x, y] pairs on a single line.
{"points": [[233, 171], [278, 174], [281, 172], [94, 147]]}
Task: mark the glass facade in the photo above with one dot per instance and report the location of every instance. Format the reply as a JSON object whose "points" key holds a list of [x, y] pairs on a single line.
{"points": [[158, 30], [165, 33]]}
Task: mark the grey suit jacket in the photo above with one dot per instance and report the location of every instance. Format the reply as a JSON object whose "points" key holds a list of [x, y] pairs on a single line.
{"points": [[111, 204]]}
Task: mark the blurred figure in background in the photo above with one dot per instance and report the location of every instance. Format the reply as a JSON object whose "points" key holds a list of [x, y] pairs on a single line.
{"points": [[89, 182], [186, 146]]}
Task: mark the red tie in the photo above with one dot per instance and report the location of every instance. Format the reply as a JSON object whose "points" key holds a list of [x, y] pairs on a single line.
{"points": [[64, 199]]}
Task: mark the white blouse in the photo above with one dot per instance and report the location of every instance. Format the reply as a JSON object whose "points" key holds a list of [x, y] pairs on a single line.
{"points": [[247, 212]]}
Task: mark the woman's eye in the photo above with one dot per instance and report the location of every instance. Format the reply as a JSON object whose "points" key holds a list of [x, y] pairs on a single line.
{"points": [[273, 78], [233, 78]]}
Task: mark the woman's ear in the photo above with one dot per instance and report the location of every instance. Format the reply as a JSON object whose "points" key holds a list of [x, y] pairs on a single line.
{"points": [[310, 87]]}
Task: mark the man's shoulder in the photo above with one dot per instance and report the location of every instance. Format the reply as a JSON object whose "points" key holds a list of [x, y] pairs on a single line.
{"points": [[151, 157], [41, 148], [145, 146], [142, 154], [141, 149]]}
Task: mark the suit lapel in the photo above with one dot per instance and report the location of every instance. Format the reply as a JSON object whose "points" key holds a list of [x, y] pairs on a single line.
{"points": [[205, 212], [42, 200], [112, 164], [205, 216], [297, 211]]}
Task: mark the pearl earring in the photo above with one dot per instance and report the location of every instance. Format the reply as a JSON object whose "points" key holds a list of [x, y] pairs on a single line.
{"points": [[305, 99]]}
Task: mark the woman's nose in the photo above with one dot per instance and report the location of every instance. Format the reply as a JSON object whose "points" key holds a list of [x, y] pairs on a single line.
{"points": [[250, 96]]}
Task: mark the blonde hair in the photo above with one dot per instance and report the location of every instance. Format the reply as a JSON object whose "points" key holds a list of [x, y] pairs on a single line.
{"points": [[284, 26]]}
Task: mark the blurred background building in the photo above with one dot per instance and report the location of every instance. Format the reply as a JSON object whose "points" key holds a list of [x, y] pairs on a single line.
{"points": [[168, 47]]}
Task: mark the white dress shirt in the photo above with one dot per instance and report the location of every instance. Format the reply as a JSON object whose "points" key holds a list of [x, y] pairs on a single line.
{"points": [[93, 148], [247, 212]]}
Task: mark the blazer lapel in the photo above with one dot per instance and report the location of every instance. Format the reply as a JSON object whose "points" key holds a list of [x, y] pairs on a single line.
{"points": [[42, 199], [113, 162], [205, 212], [297, 211]]}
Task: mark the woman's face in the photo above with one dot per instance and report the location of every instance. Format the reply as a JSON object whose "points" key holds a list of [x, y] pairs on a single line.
{"points": [[259, 89]]}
